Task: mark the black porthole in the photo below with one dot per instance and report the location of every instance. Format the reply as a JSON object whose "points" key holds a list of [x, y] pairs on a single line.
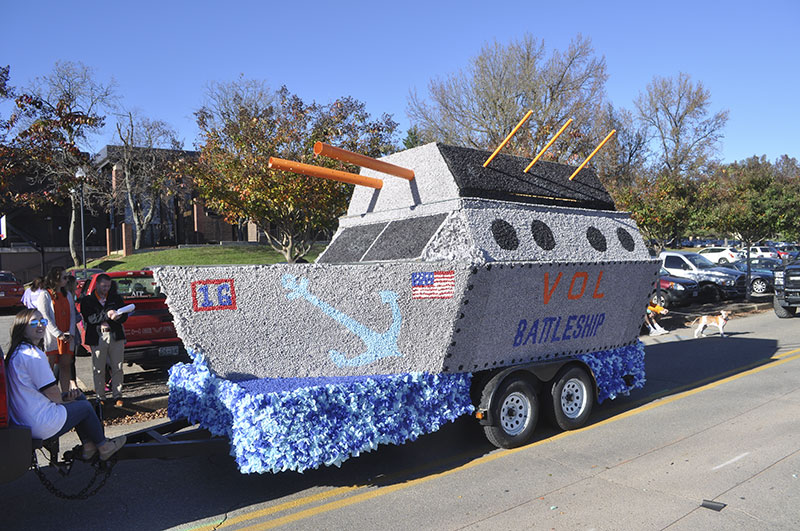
{"points": [[625, 239], [505, 235], [596, 239], [543, 235]]}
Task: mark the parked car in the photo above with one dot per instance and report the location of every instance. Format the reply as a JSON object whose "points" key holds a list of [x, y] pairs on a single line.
{"points": [[715, 282], [152, 341], [788, 251], [721, 255], [675, 291], [11, 290], [762, 251], [762, 276], [83, 275]]}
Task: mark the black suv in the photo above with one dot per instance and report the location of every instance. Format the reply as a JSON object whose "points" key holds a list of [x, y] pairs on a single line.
{"points": [[787, 290]]}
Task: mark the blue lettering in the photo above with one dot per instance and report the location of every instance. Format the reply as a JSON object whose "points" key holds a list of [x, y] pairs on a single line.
{"points": [[568, 327], [532, 333], [206, 302], [555, 331], [523, 324], [223, 297], [579, 327]]}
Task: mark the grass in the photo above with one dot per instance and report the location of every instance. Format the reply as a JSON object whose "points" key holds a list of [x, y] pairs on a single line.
{"points": [[196, 256]]}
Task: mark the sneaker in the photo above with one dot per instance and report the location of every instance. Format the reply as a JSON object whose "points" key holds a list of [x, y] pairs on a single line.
{"points": [[661, 332], [654, 332], [112, 447]]}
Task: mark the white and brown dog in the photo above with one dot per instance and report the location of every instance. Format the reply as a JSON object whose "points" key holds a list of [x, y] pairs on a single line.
{"points": [[711, 320]]}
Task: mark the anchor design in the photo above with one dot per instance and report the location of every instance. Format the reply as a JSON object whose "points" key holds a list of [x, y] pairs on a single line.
{"points": [[379, 345]]}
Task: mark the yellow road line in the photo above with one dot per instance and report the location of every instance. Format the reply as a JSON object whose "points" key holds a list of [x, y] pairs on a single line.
{"points": [[779, 356], [381, 491]]}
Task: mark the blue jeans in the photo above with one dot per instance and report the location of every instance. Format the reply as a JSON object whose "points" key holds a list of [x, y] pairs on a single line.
{"points": [[81, 416]]}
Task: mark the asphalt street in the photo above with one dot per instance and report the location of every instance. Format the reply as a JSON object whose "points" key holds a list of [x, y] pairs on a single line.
{"points": [[717, 421]]}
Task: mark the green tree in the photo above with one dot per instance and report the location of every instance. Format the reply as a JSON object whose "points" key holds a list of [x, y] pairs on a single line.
{"points": [[480, 104], [661, 206], [243, 124]]}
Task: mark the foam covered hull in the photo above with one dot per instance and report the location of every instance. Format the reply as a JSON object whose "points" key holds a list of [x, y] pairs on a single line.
{"points": [[305, 320]]}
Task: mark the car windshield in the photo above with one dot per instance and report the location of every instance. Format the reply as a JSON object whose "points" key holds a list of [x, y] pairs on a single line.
{"points": [[138, 286], [700, 262], [7, 277], [663, 272]]}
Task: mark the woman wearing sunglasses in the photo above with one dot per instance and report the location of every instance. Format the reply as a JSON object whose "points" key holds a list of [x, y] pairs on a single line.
{"points": [[35, 400], [58, 307]]}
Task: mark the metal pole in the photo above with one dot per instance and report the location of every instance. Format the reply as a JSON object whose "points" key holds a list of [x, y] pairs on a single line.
{"points": [[83, 236]]}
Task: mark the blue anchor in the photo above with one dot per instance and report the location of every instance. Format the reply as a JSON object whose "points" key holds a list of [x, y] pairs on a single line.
{"points": [[378, 345]]}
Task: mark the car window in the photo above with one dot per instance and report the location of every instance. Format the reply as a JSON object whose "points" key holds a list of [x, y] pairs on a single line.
{"points": [[7, 277], [675, 262], [700, 262], [137, 287]]}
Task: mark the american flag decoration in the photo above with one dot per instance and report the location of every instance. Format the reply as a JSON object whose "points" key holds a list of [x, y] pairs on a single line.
{"points": [[433, 285]]}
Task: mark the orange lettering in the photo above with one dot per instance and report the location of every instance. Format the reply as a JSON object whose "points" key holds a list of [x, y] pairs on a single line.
{"points": [[549, 292], [596, 295], [580, 274]]}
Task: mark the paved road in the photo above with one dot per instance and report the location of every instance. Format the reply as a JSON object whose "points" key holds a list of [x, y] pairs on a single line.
{"points": [[717, 420]]}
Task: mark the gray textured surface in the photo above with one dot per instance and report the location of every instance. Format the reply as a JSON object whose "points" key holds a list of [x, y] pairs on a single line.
{"points": [[518, 312], [405, 238], [269, 335]]}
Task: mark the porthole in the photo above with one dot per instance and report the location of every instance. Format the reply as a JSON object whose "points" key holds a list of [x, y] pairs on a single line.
{"points": [[542, 235], [625, 239], [596, 239], [505, 235]]}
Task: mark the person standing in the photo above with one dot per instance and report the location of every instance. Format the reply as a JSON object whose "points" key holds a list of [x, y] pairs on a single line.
{"points": [[59, 309], [105, 335], [32, 293]]}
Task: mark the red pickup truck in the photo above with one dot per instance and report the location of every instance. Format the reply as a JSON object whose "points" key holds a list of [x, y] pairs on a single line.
{"points": [[151, 338]]}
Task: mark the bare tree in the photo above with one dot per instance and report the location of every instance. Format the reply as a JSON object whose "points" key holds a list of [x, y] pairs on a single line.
{"points": [[624, 159], [147, 149], [479, 105], [684, 133]]}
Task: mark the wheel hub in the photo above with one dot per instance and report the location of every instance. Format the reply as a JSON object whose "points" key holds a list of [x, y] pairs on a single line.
{"points": [[573, 398], [515, 413]]}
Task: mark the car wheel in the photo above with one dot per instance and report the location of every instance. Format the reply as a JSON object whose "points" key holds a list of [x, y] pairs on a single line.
{"points": [[515, 410], [759, 286], [657, 300], [783, 312], [571, 399], [723, 260]]}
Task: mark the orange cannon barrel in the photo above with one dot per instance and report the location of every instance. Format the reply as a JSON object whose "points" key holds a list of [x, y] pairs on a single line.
{"points": [[593, 153], [344, 155], [324, 173]]}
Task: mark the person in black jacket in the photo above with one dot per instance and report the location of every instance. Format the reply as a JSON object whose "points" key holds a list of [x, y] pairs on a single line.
{"points": [[105, 335]]}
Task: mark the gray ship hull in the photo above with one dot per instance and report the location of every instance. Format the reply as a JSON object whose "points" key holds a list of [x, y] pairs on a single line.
{"points": [[301, 320]]}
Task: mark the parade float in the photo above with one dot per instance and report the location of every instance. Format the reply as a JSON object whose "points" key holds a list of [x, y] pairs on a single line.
{"points": [[458, 282]]}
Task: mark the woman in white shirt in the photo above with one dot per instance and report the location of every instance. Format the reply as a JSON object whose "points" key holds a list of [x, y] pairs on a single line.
{"points": [[34, 398]]}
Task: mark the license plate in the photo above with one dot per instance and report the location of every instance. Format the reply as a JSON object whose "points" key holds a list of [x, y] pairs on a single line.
{"points": [[169, 351]]}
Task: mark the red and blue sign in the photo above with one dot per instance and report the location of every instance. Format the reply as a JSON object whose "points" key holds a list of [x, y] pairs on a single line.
{"points": [[214, 294]]}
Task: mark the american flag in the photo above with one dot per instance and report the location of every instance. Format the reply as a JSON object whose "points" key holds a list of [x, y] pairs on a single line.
{"points": [[433, 285]]}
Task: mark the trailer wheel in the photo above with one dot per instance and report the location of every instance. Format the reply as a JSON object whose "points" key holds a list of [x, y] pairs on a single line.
{"points": [[571, 398], [783, 312], [515, 408]]}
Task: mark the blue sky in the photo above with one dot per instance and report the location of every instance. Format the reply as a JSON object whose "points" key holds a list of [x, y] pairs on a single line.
{"points": [[162, 54]]}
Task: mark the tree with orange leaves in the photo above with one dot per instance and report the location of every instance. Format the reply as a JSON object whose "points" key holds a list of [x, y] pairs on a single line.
{"points": [[243, 124]]}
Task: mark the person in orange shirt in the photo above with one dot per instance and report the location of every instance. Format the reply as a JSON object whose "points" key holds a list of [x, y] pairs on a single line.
{"points": [[58, 307], [652, 322]]}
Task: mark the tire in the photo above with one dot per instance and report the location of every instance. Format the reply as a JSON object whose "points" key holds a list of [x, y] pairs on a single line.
{"points": [[723, 261], [711, 293], [515, 410], [571, 398], [783, 312], [759, 286], [659, 301]]}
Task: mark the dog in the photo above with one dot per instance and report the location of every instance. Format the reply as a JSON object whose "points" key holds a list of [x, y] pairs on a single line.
{"points": [[711, 320]]}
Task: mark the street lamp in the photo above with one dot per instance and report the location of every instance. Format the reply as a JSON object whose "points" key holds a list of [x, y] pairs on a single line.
{"points": [[81, 175]]}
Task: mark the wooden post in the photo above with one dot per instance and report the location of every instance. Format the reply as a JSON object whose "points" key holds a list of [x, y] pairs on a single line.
{"points": [[127, 240]]}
